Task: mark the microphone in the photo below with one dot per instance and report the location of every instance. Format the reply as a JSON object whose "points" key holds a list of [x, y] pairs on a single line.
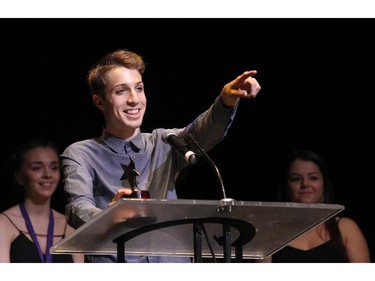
{"points": [[170, 137]]}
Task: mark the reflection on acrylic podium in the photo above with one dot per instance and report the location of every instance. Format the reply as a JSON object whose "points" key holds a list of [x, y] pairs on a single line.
{"points": [[227, 229]]}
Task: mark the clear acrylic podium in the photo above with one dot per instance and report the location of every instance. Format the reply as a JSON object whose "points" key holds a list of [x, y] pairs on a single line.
{"points": [[195, 228]]}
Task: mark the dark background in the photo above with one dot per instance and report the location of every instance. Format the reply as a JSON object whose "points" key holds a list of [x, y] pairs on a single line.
{"points": [[317, 78]]}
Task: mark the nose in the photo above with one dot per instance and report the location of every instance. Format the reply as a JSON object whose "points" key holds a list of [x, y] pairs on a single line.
{"points": [[47, 173], [305, 183], [133, 97]]}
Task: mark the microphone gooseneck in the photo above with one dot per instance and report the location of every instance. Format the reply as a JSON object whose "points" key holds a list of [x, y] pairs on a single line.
{"points": [[190, 139]]}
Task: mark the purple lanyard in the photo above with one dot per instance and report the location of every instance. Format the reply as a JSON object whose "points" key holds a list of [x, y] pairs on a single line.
{"points": [[33, 235]]}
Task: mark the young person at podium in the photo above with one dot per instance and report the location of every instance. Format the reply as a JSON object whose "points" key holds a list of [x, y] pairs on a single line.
{"points": [[100, 171], [337, 240]]}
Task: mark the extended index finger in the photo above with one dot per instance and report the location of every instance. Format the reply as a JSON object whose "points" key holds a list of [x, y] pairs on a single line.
{"points": [[242, 78]]}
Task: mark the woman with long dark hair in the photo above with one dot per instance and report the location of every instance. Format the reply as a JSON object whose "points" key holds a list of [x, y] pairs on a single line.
{"points": [[339, 239]]}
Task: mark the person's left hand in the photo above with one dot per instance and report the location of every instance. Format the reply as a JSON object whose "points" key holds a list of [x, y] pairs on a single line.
{"points": [[244, 86]]}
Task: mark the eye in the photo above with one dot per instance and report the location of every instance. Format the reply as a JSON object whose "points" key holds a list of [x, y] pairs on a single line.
{"points": [[35, 168], [120, 91], [294, 179], [55, 167], [139, 89]]}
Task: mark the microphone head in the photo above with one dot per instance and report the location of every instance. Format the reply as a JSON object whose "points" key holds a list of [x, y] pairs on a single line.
{"points": [[180, 144], [166, 134]]}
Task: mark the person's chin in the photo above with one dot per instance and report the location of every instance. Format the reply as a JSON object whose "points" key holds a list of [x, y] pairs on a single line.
{"points": [[307, 200], [133, 124]]}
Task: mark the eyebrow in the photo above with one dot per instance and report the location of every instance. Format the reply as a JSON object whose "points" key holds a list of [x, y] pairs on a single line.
{"points": [[41, 162], [298, 174], [126, 84]]}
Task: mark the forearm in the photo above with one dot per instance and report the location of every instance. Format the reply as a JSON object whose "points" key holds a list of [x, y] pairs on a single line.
{"points": [[212, 126], [78, 212], [81, 206]]}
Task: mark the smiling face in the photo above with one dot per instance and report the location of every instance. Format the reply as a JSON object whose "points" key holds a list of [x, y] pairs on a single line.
{"points": [[305, 182], [125, 102], [39, 173]]}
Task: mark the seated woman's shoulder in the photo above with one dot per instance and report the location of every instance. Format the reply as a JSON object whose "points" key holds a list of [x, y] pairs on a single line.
{"points": [[345, 220], [13, 213], [346, 223]]}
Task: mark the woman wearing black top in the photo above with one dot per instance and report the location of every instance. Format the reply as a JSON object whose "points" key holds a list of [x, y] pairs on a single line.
{"points": [[29, 229], [336, 240]]}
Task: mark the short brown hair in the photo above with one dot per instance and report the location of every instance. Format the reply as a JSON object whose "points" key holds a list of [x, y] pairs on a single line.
{"points": [[119, 58]]}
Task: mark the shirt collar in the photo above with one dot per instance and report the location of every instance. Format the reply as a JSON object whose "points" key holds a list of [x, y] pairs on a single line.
{"points": [[118, 144]]}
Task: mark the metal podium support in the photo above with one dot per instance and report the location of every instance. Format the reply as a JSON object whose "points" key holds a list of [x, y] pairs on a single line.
{"points": [[152, 227], [246, 233]]}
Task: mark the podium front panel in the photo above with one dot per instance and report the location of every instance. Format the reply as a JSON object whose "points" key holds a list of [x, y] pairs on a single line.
{"points": [[276, 224]]}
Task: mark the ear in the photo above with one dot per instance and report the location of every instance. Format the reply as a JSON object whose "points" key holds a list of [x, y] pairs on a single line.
{"points": [[19, 179], [98, 101]]}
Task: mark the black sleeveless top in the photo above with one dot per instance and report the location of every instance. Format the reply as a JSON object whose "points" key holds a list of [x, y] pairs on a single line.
{"points": [[323, 253], [23, 250]]}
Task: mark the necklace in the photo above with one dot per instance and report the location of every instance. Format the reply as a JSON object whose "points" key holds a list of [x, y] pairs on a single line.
{"points": [[31, 231]]}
